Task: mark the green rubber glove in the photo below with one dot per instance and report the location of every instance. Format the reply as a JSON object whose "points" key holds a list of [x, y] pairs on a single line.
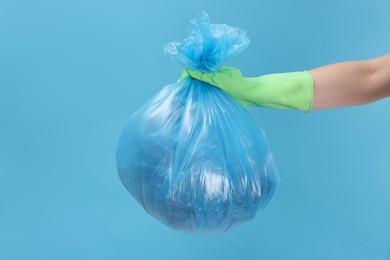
{"points": [[291, 90]]}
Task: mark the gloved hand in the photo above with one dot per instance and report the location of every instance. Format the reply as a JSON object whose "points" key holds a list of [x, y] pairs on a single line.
{"points": [[291, 90]]}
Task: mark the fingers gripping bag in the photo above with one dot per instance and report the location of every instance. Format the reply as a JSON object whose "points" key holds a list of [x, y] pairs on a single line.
{"points": [[191, 156]]}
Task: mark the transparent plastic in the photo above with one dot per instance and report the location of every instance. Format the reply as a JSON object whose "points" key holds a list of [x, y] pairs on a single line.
{"points": [[191, 156]]}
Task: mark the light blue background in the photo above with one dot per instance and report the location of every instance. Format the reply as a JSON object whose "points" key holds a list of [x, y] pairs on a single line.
{"points": [[72, 72]]}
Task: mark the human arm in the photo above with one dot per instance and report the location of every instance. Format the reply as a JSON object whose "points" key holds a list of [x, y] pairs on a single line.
{"points": [[351, 83], [335, 85]]}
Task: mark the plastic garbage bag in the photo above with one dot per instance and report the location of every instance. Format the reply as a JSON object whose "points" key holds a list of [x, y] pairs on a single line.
{"points": [[191, 156]]}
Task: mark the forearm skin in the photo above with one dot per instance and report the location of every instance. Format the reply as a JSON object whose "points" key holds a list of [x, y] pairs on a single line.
{"points": [[343, 84], [380, 80]]}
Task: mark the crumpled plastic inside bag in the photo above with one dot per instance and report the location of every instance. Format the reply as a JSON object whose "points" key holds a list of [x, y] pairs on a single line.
{"points": [[191, 156]]}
